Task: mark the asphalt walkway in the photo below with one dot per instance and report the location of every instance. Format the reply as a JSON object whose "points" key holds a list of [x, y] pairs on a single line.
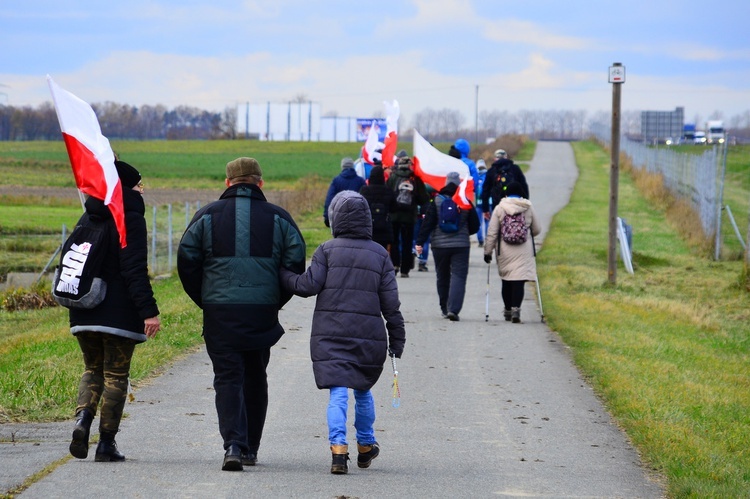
{"points": [[488, 408]]}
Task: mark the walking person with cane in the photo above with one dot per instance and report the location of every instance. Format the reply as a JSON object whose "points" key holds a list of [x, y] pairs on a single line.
{"points": [[508, 237]]}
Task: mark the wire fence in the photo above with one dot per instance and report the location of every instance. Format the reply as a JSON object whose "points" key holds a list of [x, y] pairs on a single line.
{"points": [[695, 178], [27, 258], [166, 224]]}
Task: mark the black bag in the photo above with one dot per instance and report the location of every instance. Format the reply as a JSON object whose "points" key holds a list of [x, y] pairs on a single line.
{"points": [[77, 282], [381, 219]]}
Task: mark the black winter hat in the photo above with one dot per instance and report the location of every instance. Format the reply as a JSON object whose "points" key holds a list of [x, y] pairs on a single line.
{"points": [[129, 176], [514, 189], [502, 162], [377, 176]]}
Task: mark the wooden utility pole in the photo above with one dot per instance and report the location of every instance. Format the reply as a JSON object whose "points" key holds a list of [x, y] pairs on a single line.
{"points": [[617, 78]]}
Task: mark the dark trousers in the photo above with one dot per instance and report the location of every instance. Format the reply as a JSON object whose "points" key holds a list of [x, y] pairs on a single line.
{"points": [[451, 269], [403, 240], [512, 292], [107, 359], [241, 387]]}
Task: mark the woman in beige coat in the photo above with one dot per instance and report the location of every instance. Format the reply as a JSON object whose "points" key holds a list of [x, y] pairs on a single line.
{"points": [[516, 263]]}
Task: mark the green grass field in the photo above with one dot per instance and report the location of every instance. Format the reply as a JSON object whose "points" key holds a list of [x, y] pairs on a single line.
{"points": [[667, 349]]}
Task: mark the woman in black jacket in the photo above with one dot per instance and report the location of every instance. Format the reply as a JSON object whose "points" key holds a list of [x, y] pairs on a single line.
{"points": [[108, 333], [382, 202]]}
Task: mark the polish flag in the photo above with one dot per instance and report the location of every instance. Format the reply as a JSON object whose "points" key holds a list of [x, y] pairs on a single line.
{"points": [[433, 166], [372, 144], [392, 112], [460, 197], [91, 156]]}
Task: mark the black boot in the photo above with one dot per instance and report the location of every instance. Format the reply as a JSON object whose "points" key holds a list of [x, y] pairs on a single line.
{"points": [[107, 451], [79, 447], [232, 459], [250, 458], [340, 456], [366, 454]]}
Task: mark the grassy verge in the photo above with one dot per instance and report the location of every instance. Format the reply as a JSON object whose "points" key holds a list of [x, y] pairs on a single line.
{"points": [[667, 348], [40, 362]]}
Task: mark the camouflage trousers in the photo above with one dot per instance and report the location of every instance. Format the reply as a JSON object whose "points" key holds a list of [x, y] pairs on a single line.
{"points": [[107, 360]]}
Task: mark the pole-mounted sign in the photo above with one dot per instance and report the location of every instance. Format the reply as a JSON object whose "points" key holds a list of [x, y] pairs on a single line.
{"points": [[617, 73], [617, 77]]}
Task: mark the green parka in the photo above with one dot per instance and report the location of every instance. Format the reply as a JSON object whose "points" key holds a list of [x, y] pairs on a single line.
{"points": [[228, 261]]}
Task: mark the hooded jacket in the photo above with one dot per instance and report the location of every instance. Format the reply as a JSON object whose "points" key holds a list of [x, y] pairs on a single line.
{"points": [[129, 299], [356, 286], [228, 261], [463, 146], [347, 180], [515, 262], [376, 192]]}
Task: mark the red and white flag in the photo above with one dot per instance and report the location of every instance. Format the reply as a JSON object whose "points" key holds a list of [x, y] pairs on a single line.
{"points": [[369, 150], [392, 112], [91, 156], [433, 166]]}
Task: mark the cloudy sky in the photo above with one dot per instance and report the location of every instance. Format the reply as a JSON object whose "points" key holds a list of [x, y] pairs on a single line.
{"points": [[351, 56]]}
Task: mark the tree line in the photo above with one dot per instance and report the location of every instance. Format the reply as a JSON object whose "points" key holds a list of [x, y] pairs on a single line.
{"points": [[147, 122], [122, 121]]}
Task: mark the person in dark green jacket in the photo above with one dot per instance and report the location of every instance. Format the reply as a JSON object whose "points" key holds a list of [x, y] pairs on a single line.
{"points": [[228, 261]]}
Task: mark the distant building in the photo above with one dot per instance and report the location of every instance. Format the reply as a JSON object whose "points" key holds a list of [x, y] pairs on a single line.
{"points": [[657, 126]]}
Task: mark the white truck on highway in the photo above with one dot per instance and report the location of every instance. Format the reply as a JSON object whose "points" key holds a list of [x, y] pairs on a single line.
{"points": [[715, 133]]}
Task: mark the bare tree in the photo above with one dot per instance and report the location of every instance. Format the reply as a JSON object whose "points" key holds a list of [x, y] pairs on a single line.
{"points": [[438, 125], [229, 123]]}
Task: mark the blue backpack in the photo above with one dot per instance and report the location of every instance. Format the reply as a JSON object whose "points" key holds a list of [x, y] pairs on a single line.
{"points": [[449, 216]]}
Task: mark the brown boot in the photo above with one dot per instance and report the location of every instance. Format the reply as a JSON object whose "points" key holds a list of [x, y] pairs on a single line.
{"points": [[340, 455]]}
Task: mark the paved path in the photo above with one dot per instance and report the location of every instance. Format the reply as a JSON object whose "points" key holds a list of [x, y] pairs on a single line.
{"points": [[488, 408]]}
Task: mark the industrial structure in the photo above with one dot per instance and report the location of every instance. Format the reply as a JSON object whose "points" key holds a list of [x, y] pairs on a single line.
{"points": [[661, 126], [298, 121]]}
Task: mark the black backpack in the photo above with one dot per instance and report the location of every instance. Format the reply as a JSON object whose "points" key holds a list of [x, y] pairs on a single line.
{"points": [[77, 282], [502, 178], [404, 191]]}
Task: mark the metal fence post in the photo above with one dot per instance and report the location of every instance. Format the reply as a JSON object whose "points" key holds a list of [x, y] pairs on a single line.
{"points": [[153, 242], [169, 237]]}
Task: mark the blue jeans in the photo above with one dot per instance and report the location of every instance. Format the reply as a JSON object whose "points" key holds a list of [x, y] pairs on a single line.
{"points": [[364, 416], [425, 247], [483, 225]]}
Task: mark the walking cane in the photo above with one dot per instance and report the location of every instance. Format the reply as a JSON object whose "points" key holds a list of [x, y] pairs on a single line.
{"points": [[487, 296], [536, 281]]}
